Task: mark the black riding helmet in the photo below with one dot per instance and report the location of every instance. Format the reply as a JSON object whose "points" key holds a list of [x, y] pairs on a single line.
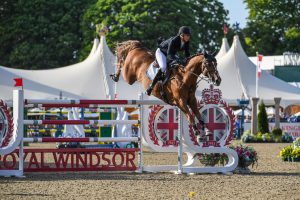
{"points": [[184, 30]]}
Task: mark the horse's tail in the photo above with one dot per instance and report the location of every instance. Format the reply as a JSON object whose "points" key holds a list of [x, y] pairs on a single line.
{"points": [[124, 48]]}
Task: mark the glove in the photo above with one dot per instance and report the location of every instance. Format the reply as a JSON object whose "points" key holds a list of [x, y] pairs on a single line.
{"points": [[174, 63]]}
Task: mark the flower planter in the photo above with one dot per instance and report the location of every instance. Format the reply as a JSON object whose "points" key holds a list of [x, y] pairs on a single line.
{"points": [[209, 162]]}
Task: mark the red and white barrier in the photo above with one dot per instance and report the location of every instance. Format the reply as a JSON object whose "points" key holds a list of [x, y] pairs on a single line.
{"points": [[114, 159], [112, 122]]}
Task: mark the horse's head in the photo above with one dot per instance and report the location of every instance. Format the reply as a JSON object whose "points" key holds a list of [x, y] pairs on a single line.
{"points": [[209, 68]]}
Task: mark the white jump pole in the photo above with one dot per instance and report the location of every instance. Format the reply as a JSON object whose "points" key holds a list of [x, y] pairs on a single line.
{"points": [[179, 171], [140, 135]]}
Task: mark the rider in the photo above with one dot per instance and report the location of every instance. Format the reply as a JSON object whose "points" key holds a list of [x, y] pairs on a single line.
{"points": [[166, 53]]}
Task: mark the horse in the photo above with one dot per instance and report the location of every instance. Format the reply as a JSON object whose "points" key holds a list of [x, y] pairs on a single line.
{"points": [[133, 60]]}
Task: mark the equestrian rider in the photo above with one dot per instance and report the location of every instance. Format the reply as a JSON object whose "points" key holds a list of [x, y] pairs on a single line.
{"points": [[166, 53]]}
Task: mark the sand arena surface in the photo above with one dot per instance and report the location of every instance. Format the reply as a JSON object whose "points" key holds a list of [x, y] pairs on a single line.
{"points": [[272, 179]]}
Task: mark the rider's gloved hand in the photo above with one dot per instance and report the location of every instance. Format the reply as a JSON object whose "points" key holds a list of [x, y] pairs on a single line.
{"points": [[174, 63]]}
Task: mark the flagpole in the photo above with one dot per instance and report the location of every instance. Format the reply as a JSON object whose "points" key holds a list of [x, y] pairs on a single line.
{"points": [[256, 75]]}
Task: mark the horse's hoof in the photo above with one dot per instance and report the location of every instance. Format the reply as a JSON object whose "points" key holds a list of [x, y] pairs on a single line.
{"points": [[200, 139], [197, 132], [114, 77], [207, 132]]}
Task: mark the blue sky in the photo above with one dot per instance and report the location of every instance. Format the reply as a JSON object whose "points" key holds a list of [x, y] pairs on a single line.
{"points": [[237, 11]]}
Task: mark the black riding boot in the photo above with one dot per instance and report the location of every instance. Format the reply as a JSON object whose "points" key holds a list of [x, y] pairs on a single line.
{"points": [[156, 78]]}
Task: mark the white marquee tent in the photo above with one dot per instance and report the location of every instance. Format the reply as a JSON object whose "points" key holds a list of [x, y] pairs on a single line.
{"points": [[82, 80], [90, 79], [238, 75], [224, 48]]}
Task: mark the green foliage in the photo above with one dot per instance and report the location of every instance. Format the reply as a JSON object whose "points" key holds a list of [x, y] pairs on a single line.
{"points": [[277, 133], [40, 33], [262, 121], [286, 138], [258, 138], [148, 20], [272, 27], [290, 153]]}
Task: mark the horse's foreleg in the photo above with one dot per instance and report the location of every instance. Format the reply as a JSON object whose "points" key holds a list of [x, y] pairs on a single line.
{"points": [[184, 108], [192, 103]]}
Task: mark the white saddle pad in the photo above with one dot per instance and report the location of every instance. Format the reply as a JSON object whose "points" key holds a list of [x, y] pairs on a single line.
{"points": [[151, 71]]}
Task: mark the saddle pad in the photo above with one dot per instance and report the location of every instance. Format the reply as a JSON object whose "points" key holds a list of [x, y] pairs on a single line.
{"points": [[151, 71]]}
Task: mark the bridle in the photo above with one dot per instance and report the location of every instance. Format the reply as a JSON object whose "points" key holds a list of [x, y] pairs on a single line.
{"points": [[201, 76]]}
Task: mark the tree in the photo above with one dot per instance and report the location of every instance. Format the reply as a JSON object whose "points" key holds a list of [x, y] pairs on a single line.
{"points": [[273, 26], [148, 20], [263, 125], [40, 33]]}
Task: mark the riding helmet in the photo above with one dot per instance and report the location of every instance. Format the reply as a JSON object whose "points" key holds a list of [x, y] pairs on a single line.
{"points": [[184, 30]]}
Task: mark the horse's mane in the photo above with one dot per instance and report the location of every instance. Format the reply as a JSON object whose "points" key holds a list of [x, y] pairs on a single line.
{"points": [[124, 48], [192, 56]]}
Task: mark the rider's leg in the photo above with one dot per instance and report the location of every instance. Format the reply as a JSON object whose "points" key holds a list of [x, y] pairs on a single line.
{"points": [[161, 59], [156, 78]]}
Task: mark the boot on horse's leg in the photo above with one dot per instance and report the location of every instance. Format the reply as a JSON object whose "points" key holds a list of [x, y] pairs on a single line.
{"points": [[203, 133], [156, 78]]}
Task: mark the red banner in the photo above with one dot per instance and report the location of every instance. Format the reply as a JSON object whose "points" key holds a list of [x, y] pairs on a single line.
{"points": [[79, 159]]}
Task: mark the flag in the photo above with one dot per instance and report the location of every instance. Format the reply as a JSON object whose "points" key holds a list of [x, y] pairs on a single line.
{"points": [[18, 82], [225, 29], [259, 60]]}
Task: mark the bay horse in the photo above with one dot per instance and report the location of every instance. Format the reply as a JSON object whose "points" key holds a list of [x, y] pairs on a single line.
{"points": [[133, 59]]}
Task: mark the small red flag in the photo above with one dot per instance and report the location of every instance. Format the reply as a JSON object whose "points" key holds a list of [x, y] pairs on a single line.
{"points": [[259, 60], [225, 29], [18, 82]]}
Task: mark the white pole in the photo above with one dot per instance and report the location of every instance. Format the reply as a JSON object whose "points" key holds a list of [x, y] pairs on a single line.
{"points": [[18, 107], [140, 135], [180, 142], [256, 75]]}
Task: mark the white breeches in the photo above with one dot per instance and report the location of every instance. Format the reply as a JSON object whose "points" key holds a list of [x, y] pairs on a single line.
{"points": [[161, 59]]}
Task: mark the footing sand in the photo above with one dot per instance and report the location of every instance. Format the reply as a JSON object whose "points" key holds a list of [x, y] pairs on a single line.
{"points": [[271, 179]]}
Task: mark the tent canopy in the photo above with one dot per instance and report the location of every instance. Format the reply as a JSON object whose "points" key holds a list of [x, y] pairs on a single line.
{"points": [[82, 80], [224, 49], [238, 75]]}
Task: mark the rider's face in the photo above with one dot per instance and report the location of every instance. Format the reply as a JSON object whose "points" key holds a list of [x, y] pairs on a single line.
{"points": [[185, 37]]}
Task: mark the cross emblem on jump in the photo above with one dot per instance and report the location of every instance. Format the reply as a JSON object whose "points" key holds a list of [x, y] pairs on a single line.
{"points": [[212, 125], [169, 125]]}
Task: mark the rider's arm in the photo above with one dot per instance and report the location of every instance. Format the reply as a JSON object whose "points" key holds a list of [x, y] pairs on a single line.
{"points": [[187, 50], [171, 50]]}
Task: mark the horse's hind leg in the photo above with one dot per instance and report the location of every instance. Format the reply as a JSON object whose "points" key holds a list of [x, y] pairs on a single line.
{"points": [[115, 77]]}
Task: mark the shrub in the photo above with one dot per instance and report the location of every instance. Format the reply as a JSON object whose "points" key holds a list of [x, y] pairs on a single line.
{"points": [[248, 137], [262, 121], [277, 133], [286, 138], [286, 153], [268, 137]]}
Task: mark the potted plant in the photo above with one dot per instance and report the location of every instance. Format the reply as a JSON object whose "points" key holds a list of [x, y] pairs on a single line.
{"points": [[291, 153], [247, 156], [210, 159]]}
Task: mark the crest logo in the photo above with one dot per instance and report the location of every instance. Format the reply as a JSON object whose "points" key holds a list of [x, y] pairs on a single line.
{"points": [[6, 125], [217, 116], [163, 126]]}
